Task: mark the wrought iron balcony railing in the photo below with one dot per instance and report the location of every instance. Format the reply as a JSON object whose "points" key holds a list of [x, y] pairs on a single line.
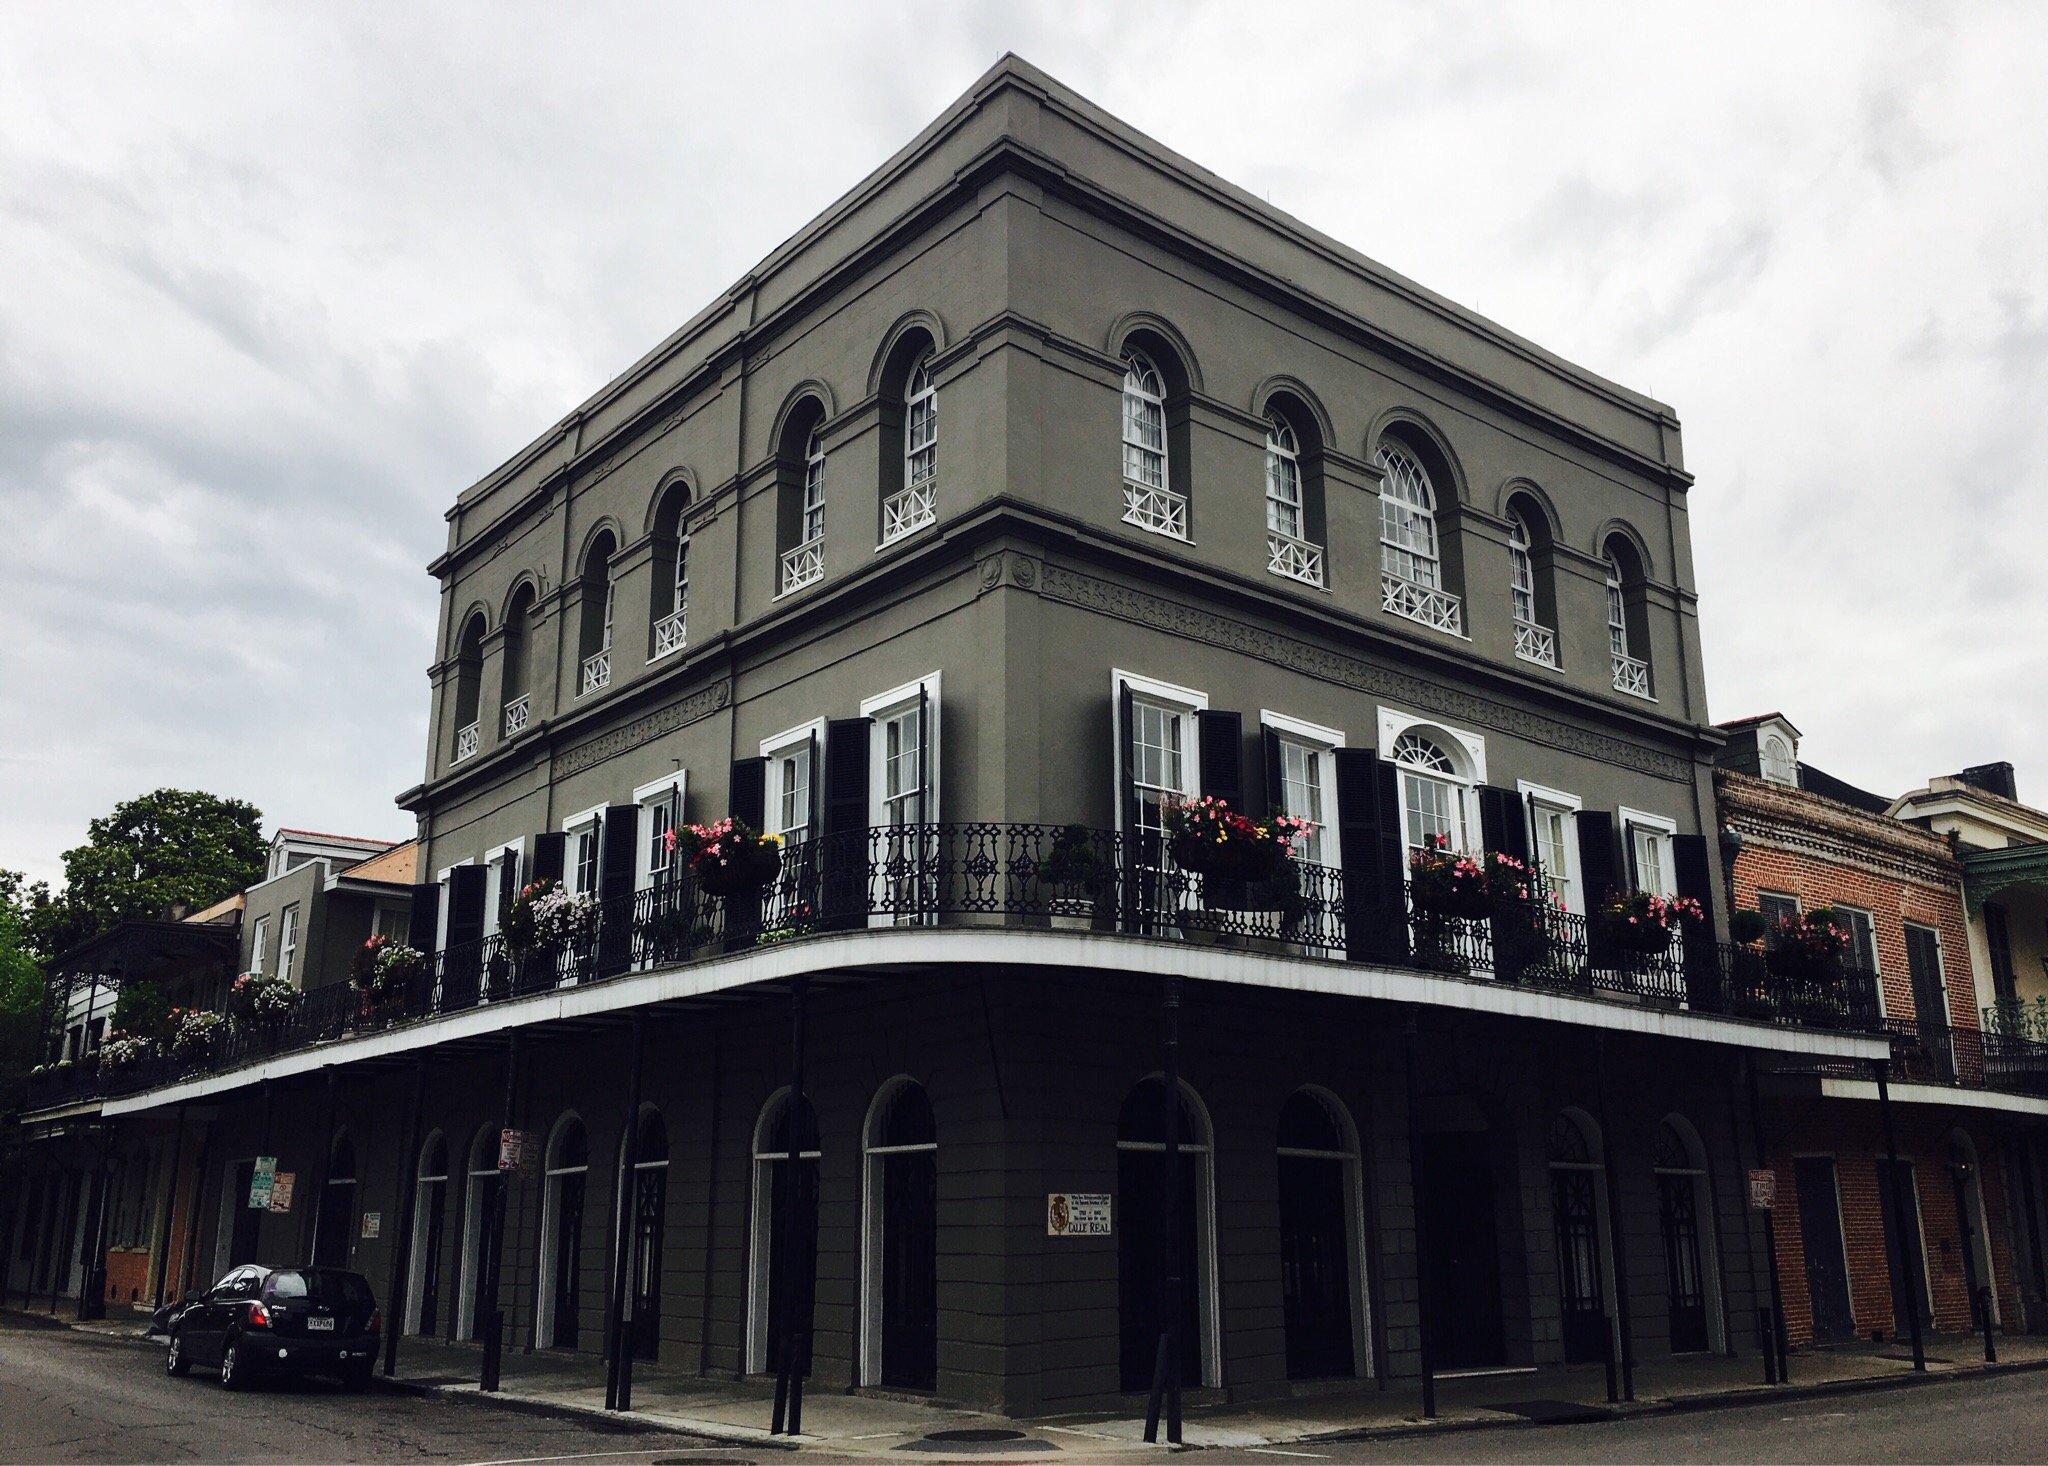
{"points": [[1051, 877], [1535, 643], [518, 713], [1431, 605], [2016, 1045]]}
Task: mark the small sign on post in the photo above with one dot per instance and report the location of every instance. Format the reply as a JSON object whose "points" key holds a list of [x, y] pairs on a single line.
{"points": [[1077, 1214], [511, 1150], [261, 1180], [1763, 1188], [281, 1191], [373, 1224]]}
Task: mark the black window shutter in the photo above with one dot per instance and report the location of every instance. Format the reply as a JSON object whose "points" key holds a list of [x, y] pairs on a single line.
{"points": [[1269, 763], [846, 774], [748, 799], [1690, 872], [1498, 827], [1222, 738], [619, 851], [426, 916], [1127, 763], [550, 856], [1368, 828], [1597, 856], [465, 904]]}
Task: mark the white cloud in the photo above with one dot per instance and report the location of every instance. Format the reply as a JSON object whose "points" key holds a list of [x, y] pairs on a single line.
{"points": [[282, 280]]}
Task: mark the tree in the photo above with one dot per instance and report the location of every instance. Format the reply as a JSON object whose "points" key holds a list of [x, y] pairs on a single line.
{"points": [[21, 997], [154, 852]]}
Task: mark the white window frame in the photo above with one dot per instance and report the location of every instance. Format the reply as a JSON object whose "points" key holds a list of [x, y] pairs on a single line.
{"points": [[647, 798], [258, 941], [1325, 741], [1567, 804], [1465, 745], [287, 941], [812, 733], [878, 710], [385, 921], [572, 868], [494, 875], [1157, 507], [1185, 700], [915, 504], [1769, 768], [1663, 827]]}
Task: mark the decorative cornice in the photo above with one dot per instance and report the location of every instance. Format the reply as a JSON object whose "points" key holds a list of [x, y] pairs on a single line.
{"points": [[692, 709], [1802, 822], [1126, 603]]}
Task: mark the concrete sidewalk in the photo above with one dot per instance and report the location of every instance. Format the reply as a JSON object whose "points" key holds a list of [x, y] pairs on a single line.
{"points": [[739, 1411]]}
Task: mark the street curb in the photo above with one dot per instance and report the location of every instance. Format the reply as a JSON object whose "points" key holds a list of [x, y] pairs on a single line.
{"points": [[1684, 1405], [631, 1423]]}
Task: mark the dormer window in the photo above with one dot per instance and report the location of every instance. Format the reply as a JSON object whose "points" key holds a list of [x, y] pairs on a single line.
{"points": [[1776, 760]]}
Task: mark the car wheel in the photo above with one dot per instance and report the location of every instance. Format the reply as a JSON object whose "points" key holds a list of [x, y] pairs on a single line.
{"points": [[230, 1366], [175, 1362]]}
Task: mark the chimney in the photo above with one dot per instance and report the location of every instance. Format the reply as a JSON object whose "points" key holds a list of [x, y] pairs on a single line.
{"points": [[1993, 778]]}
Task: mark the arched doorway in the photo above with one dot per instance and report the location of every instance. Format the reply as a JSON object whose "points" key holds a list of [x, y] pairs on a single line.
{"points": [[1578, 1194], [1141, 1235], [1685, 1209], [782, 1263], [900, 1240], [479, 1204], [650, 1217], [1966, 1174], [1319, 1236], [430, 1209], [561, 1232], [334, 1226]]}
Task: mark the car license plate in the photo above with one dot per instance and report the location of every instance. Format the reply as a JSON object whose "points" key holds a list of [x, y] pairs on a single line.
{"points": [[320, 1325]]}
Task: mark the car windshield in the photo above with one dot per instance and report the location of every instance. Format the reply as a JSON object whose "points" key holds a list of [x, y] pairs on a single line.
{"points": [[322, 1285]]}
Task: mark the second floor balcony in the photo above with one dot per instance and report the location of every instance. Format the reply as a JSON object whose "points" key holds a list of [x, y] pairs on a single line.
{"points": [[2016, 1045], [518, 713], [597, 671], [1631, 675], [803, 565], [1097, 883], [466, 738], [1430, 605]]}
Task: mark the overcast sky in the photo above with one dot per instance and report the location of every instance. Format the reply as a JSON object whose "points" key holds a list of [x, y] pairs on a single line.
{"points": [[277, 282]]}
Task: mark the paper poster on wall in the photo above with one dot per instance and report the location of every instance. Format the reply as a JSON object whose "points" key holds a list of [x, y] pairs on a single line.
{"points": [[511, 1150], [261, 1181], [1077, 1214], [1763, 1189], [373, 1223], [281, 1191]]}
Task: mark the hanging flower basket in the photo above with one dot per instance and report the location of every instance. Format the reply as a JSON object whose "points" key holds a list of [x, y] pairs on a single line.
{"points": [[1445, 883], [1207, 837], [1805, 947], [1640, 924], [730, 859], [255, 998], [196, 1035]]}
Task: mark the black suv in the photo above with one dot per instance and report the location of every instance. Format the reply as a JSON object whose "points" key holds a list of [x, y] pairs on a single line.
{"points": [[293, 1320]]}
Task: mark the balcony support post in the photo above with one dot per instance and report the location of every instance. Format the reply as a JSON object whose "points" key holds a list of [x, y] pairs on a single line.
{"points": [[1166, 1381], [197, 1209], [1979, 1290], [618, 1384], [401, 1250], [494, 1319], [1901, 1220], [1409, 1036], [1622, 1317], [92, 1278], [790, 1255], [162, 1250], [1775, 1345], [309, 1224]]}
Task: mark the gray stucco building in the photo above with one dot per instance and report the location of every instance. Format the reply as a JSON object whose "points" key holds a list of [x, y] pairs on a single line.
{"points": [[1044, 480]]}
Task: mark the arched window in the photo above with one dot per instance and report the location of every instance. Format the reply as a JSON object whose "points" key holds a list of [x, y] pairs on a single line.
{"points": [[599, 598], [899, 1241], [1142, 1189], [800, 502], [469, 677], [518, 703], [1529, 585], [1777, 762], [479, 1208], [1627, 637], [561, 1233], [1685, 1209], [430, 1212], [1412, 579], [1578, 1196], [1151, 499], [784, 1254], [1322, 1303], [914, 503], [669, 609], [1293, 503], [649, 1201], [334, 1224], [1435, 788]]}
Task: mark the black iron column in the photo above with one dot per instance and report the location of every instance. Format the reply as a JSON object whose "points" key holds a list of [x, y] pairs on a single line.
{"points": [[1901, 1219], [309, 1223], [401, 1250], [1979, 1290], [494, 1318], [1166, 1380], [197, 1209], [92, 1278], [789, 1254], [1614, 1223], [1776, 1344], [618, 1385], [163, 1239], [1765, 1346], [1422, 1325]]}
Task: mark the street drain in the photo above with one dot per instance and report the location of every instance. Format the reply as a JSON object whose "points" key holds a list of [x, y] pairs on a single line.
{"points": [[980, 1436]]}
